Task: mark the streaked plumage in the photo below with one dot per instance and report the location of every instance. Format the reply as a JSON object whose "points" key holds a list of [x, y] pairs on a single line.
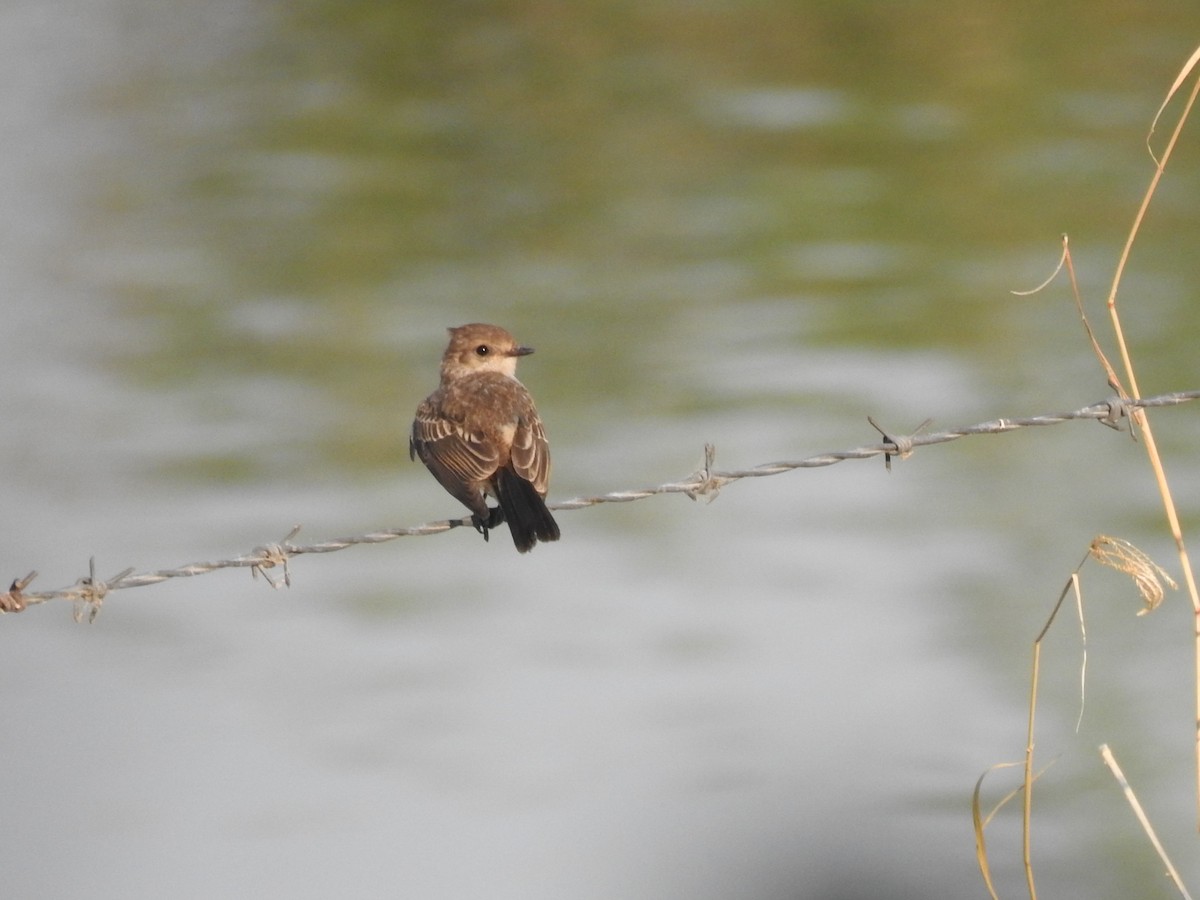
{"points": [[480, 435]]}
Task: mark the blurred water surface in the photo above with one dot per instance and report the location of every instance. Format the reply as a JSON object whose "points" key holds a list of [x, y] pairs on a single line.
{"points": [[232, 236]]}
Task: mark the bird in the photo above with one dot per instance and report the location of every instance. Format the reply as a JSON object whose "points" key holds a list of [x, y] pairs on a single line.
{"points": [[480, 435]]}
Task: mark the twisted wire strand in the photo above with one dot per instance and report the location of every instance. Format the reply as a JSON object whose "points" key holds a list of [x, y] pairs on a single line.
{"points": [[88, 593]]}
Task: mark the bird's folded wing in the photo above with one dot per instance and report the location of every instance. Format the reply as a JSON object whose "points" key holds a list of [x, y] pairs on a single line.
{"points": [[448, 449], [530, 452]]}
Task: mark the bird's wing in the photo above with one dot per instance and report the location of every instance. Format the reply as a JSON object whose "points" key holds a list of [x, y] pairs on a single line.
{"points": [[456, 456], [530, 454]]}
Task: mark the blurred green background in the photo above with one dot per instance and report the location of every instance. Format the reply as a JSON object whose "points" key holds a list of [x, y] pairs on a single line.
{"points": [[233, 234]]}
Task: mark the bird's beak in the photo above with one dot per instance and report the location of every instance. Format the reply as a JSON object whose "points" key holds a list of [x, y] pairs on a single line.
{"points": [[520, 351]]}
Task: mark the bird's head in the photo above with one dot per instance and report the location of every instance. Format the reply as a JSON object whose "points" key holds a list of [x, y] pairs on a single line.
{"points": [[481, 348]]}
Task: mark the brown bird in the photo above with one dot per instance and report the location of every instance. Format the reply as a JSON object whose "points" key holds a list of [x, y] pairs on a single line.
{"points": [[480, 434]]}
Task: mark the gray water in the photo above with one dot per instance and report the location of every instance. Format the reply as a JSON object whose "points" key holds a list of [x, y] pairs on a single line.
{"points": [[230, 241]]}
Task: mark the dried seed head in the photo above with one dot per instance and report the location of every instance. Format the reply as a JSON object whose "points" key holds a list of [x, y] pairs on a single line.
{"points": [[1121, 555]]}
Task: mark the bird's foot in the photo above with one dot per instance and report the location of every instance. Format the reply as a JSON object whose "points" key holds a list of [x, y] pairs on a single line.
{"points": [[494, 519]]}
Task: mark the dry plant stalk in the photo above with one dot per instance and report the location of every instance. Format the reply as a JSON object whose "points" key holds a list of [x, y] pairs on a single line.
{"points": [[1139, 416], [981, 821], [1025, 789], [1111, 762], [1115, 553]]}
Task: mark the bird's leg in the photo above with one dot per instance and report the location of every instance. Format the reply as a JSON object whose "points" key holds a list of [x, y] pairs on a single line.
{"points": [[494, 519], [481, 524]]}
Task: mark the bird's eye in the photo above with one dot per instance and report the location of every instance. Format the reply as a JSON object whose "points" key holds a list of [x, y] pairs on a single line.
{"points": [[483, 350]]}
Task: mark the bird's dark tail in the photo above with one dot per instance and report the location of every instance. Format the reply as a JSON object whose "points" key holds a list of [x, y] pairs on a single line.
{"points": [[524, 510]]}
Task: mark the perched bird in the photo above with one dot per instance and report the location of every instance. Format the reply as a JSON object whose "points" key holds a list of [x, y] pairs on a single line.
{"points": [[480, 434]]}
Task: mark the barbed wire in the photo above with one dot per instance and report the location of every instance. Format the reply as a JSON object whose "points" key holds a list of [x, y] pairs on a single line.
{"points": [[89, 593]]}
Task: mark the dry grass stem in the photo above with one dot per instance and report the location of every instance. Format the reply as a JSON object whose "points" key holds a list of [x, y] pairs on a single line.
{"points": [[1171, 92], [1072, 585], [981, 821], [1049, 278], [1115, 553], [1111, 762], [1138, 417]]}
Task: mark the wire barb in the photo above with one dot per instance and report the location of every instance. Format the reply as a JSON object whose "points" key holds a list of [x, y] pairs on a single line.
{"points": [[271, 555], [1118, 413], [91, 591], [14, 600], [903, 443], [707, 485]]}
